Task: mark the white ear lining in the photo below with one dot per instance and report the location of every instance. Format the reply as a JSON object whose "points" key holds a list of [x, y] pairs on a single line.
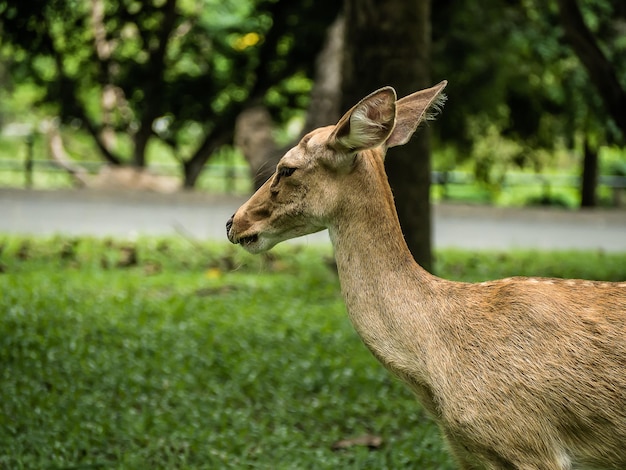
{"points": [[370, 124]]}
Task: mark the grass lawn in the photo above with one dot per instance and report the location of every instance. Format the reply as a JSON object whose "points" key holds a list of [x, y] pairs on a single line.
{"points": [[166, 354]]}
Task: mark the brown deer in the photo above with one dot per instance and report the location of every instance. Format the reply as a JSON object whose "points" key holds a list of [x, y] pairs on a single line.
{"points": [[519, 373]]}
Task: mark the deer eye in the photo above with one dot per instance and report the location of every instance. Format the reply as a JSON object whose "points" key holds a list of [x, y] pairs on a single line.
{"points": [[285, 171]]}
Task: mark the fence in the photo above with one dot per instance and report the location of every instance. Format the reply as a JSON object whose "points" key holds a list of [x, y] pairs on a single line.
{"points": [[615, 184], [236, 179], [215, 177]]}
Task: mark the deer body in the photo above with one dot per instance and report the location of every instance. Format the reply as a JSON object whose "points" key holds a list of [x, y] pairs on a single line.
{"points": [[520, 373]]}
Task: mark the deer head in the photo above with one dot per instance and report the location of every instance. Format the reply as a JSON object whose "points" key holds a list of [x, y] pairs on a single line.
{"points": [[314, 179]]}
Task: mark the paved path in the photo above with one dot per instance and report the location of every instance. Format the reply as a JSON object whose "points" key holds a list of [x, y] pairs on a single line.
{"points": [[127, 214]]}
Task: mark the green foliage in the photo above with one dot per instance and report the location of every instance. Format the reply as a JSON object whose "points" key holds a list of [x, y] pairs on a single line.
{"points": [[182, 70], [519, 91], [163, 353], [177, 71]]}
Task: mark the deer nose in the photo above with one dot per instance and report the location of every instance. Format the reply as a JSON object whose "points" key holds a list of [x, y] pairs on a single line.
{"points": [[229, 224]]}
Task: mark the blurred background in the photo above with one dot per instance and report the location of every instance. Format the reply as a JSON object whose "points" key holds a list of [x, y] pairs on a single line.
{"points": [[130, 130], [166, 95]]}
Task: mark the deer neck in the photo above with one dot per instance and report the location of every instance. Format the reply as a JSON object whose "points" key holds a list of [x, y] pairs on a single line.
{"points": [[382, 285]]}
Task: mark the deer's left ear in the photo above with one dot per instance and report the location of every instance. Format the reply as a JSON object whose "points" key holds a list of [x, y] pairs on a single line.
{"points": [[368, 124], [414, 109]]}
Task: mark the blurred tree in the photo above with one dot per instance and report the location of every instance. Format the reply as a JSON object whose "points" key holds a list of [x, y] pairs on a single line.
{"points": [[175, 70], [388, 43], [255, 132], [603, 73], [528, 94], [601, 69]]}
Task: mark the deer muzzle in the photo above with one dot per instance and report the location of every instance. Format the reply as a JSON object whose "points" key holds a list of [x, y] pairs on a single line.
{"points": [[233, 237]]}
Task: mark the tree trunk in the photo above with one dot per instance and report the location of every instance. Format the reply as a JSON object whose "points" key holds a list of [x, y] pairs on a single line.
{"points": [[589, 180], [192, 168], [254, 138], [254, 126], [154, 88], [388, 43], [140, 142], [325, 106], [601, 70]]}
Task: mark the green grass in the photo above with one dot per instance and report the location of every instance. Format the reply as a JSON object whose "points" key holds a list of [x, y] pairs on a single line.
{"points": [[165, 354]]}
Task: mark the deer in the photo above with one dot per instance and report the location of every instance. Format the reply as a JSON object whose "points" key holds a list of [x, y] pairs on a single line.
{"points": [[523, 373]]}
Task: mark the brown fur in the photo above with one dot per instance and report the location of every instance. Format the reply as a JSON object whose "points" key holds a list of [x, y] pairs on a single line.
{"points": [[520, 373]]}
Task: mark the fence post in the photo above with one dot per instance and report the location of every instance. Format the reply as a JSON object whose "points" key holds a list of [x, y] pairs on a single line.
{"points": [[28, 163], [231, 174]]}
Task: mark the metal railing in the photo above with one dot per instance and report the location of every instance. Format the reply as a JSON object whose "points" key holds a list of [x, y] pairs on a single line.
{"points": [[232, 177]]}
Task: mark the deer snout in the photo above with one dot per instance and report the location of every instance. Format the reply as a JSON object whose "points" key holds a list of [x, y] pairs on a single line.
{"points": [[229, 226], [235, 234]]}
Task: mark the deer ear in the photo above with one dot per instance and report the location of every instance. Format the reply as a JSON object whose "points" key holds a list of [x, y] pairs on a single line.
{"points": [[414, 109], [368, 124]]}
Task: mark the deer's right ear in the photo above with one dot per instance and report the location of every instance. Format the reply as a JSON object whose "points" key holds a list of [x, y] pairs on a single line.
{"points": [[368, 124]]}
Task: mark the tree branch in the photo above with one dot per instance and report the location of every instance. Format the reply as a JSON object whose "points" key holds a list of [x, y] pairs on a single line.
{"points": [[154, 89], [221, 134], [61, 158], [601, 71], [96, 134], [68, 86]]}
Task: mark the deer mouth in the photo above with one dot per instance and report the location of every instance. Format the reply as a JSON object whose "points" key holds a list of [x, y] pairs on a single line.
{"points": [[250, 240], [243, 241]]}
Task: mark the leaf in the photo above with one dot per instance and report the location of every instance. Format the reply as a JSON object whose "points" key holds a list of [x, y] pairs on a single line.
{"points": [[128, 256], [213, 273], [211, 291], [368, 440]]}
